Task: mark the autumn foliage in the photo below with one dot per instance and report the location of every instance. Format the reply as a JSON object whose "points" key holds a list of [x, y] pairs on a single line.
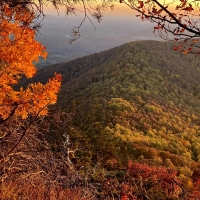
{"points": [[151, 182], [36, 162], [175, 20], [19, 50]]}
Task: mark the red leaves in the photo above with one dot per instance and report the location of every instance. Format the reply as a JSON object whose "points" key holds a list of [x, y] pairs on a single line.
{"points": [[125, 197], [178, 48], [175, 48], [195, 194], [159, 26], [182, 5], [144, 179], [145, 171], [164, 178], [182, 30], [189, 8], [58, 77], [156, 27], [141, 4], [155, 11]]}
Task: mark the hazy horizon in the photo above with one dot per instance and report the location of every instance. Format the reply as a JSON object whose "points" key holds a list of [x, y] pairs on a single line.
{"points": [[114, 30]]}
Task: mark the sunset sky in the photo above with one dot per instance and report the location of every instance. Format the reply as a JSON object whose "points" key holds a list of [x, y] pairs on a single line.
{"points": [[120, 16], [119, 8]]}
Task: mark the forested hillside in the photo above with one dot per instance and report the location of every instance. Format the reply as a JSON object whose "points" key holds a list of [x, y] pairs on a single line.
{"points": [[137, 102]]}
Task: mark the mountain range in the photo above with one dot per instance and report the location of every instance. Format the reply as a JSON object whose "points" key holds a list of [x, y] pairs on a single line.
{"points": [[139, 101]]}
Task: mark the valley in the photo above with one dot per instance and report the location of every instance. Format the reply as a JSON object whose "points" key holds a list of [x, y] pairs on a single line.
{"points": [[56, 34]]}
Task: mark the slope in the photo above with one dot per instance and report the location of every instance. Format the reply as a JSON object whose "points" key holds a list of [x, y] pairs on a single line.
{"points": [[139, 101]]}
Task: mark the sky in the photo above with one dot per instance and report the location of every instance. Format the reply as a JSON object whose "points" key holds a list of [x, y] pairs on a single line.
{"points": [[119, 10]]}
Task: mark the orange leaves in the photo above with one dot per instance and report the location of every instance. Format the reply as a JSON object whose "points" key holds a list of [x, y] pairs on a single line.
{"points": [[184, 49], [35, 99], [19, 49], [185, 52], [7, 11], [195, 40]]}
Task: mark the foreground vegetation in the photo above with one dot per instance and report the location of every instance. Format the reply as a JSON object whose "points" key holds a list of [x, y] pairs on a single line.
{"points": [[46, 167]]}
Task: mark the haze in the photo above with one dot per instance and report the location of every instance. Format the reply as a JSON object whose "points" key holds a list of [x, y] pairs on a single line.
{"points": [[116, 28]]}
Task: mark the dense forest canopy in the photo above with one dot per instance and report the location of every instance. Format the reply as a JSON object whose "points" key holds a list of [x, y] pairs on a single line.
{"points": [[139, 101]]}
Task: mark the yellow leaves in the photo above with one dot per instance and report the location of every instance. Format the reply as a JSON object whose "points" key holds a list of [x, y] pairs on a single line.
{"points": [[19, 49]]}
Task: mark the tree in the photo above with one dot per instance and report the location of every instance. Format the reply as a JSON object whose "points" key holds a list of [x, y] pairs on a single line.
{"points": [[176, 20], [19, 50], [39, 166]]}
